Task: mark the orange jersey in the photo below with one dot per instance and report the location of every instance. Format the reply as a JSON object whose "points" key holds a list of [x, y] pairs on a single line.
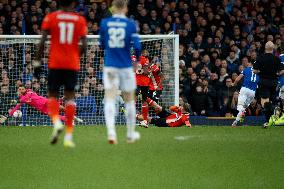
{"points": [[66, 30], [141, 78], [178, 118], [155, 80]]}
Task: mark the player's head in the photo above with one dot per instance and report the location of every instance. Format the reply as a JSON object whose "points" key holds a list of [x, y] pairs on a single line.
{"points": [[145, 53], [21, 90], [119, 6], [67, 3], [185, 107], [269, 46]]}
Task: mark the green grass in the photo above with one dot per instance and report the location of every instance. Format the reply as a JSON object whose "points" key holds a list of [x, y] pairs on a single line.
{"points": [[174, 158]]}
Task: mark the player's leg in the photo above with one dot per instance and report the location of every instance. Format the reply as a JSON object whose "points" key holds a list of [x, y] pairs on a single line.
{"points": [[111, 83], [128, 86], [62, 118], [264, 93], [159, 122], [155, 95], [70, 111], [240, 107], [153, 104], [54, 83], [70, 82], [145, 107]]}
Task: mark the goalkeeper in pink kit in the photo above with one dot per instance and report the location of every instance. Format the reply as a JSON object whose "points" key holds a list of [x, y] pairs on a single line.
{"points": [[28, 96]]}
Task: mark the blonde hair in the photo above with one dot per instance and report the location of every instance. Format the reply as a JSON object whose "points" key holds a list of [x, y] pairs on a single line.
{"points": [[119, 4]]}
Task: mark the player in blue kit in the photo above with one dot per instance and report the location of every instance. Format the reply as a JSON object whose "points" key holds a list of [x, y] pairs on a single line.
{"points": [[281, 78], [117, 36], [247, 91]]}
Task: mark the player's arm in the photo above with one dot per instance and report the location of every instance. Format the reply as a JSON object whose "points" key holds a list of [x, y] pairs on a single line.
{"points": [[238, 79], [155, 70], [136, 44], [39, 52], [187, 123], [281, 68], [256, 66], [136, 41], [281, 72], [83, 34], [3, 118], [41, 45], [17, 107], [102, 35], [83, 47]]}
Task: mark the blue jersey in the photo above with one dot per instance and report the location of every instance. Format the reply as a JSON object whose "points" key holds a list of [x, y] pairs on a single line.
{"points": [[118, 35], [281, 78], [250, 79]]}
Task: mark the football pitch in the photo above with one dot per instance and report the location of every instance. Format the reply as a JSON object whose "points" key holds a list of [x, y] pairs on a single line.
{"points": [[175, 158]]}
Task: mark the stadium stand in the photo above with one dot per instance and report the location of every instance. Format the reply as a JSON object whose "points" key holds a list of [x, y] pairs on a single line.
{"points": [[217, 39]]}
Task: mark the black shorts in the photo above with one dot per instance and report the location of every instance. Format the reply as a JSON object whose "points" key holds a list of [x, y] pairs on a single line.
{"points": [[58, 78], [164, 114], [159, 122], [155, 95], [143, 90], [267, 88]]}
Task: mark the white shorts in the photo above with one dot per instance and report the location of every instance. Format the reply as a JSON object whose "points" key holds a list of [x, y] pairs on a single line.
{"points": [[119, 78], [281, 93], [246, 96]]}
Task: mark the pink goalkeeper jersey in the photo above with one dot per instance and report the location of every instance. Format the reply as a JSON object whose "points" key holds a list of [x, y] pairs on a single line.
{"points": [[32, 99]]}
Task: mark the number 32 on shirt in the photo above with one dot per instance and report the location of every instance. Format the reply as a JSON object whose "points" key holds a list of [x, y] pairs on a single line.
{"points": [[116, 37]]}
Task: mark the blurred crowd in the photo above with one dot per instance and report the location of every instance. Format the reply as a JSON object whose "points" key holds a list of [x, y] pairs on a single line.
{"points": [[217, 40]]}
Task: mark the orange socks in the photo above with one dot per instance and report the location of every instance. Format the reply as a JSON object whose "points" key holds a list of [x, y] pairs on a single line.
{"points": [[145, 110], [70, 111], [53, 109]]}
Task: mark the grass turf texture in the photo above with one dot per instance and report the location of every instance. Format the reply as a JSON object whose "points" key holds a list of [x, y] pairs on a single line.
{"points": [[200, 157]]}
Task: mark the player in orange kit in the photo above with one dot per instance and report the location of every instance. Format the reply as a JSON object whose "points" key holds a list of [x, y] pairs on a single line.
{"points": [[156, 79], [177, 116], [143, 83], [66, 29]]}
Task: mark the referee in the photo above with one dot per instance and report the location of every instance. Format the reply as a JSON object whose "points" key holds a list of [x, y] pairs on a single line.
{"points": [[267, 66]]}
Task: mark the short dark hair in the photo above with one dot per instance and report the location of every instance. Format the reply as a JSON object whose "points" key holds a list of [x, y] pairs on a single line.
{"points": [[22, 86], [66, 3]]}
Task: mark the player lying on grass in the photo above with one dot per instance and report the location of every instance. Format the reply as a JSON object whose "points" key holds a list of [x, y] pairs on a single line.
{"points": [[177, 116], [40, 103]]}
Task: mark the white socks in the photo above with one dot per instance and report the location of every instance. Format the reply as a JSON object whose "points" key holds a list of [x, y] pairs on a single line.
{"points": [[68, 136], [241, 109], [130, 118], [109, 110]]}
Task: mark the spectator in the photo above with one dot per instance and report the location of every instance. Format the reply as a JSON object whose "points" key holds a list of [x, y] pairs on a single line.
{"points": [[5, 99], [227, 93], [232, 105], [199, 101], [232, 62], [86, 104]]}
